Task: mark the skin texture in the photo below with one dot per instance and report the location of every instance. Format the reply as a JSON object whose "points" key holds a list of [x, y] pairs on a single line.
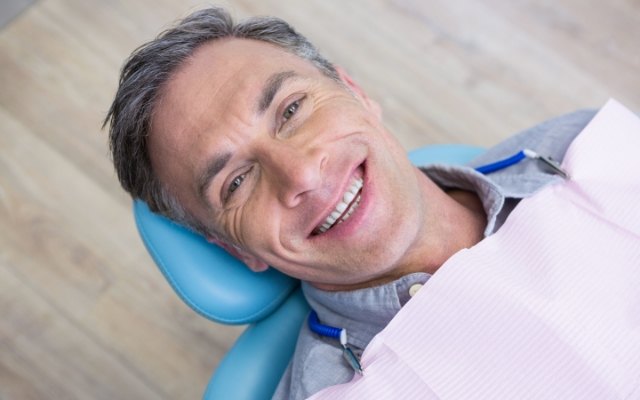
{"points": [[288, 167]]}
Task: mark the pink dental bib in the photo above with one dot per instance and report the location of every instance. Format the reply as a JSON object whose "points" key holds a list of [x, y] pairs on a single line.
{"points": [[546, 308]]}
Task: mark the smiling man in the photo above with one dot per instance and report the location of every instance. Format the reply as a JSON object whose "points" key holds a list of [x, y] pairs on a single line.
{"points": [[245, 134], [306, 150]]}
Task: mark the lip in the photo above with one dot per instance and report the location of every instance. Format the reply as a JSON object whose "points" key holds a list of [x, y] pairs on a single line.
{"points": [[346, 227]]}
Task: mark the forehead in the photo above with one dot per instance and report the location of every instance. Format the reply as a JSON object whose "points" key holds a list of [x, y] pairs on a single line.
{"points": [[222, 76], [228, 66]]}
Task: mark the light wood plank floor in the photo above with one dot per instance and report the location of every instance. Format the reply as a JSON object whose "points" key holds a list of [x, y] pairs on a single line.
{"points": [[84, 312]]}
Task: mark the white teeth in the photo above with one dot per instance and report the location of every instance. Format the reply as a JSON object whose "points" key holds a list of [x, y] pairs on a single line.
{"points": [[330, 220], [341, 207], [356, 188], [348, 197]]}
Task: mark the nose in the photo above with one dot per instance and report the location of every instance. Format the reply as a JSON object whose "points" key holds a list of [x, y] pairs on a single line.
{"points": [[293, 171]]}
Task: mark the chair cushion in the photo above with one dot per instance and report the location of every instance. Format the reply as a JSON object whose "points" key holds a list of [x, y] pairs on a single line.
{"points": [[207, 278]]}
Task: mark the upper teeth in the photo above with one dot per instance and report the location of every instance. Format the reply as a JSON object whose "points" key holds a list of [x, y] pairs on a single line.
{"points": [[341, 207]]}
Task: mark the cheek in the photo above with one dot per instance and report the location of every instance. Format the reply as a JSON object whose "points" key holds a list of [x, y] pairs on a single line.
{"points": [[336, 114], [259, 223]]}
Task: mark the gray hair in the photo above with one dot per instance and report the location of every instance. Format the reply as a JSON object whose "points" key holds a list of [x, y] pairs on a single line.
{"points": [[148, 69]]}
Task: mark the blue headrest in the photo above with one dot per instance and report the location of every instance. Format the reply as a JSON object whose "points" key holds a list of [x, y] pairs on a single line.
{"points": [[218, 286], [207, 278]]}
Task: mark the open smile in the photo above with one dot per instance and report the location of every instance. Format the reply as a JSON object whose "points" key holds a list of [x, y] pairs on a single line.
{"points": [[345, 207]]}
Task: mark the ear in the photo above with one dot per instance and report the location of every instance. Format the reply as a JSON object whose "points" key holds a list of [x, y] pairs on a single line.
{"points": [[370, 104], [254, 263]]}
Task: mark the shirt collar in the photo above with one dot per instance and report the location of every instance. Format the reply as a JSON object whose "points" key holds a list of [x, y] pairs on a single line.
{"points": [[363, 312], [466, 178]]}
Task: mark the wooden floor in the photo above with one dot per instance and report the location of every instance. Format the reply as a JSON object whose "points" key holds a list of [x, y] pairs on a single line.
{"points": [[84, 312]]}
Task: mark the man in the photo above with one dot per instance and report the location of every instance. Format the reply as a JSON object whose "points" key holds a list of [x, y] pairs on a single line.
{"points": [[247, 135]]}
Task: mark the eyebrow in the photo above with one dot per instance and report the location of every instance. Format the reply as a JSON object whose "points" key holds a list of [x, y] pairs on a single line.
{"points": [[214, 166], [271, 88]]}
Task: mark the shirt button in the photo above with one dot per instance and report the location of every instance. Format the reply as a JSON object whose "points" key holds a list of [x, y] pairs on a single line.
{"points": [[414, 289]]}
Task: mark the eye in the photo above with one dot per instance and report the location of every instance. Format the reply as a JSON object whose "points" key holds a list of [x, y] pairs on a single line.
{"points": [[231, 189], [291, 110], [236, 182]]}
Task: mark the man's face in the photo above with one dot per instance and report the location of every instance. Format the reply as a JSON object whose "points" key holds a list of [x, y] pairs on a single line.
{"points": [[259, 144]]}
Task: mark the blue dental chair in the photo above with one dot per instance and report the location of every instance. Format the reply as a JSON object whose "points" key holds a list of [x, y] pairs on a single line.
{"points": [[222, 289]]}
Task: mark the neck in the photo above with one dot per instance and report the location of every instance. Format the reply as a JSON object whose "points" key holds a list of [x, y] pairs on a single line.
{"points": [[458, 224], [474, 215]]}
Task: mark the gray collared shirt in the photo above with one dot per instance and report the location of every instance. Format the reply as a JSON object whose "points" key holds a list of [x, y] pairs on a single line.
{"points": [[317, 362]]}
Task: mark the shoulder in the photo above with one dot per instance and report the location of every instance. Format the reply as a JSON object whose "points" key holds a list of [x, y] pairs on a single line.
{"points": [[316, 364], [550, 138]]}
